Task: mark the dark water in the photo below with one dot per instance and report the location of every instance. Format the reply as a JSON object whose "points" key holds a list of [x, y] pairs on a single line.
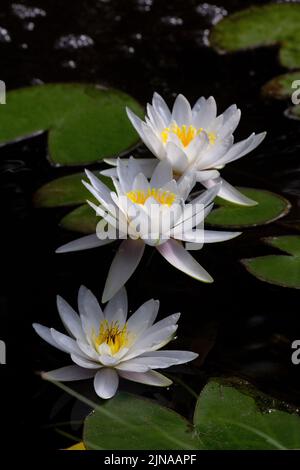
{"points": [[239, 325]]}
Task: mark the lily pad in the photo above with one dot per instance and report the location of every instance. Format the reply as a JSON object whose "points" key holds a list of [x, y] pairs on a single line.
{"points": [[281, 87], [270, 207], [83, 219], [281, 270], [86, 123], [128, 422], [66, 191], [228, 418], [267, 25]]}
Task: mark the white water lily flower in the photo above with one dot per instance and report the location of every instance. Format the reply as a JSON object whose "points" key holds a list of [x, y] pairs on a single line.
{"points": [[105, 345], [165, 227], [194, 139]]}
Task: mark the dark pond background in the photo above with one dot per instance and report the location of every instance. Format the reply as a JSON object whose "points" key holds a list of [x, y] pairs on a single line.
{"points": [[239, 325]]}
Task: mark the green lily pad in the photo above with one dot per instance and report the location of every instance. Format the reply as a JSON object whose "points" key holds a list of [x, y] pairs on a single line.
{"points": [[280, 87], [128, 422], [281, 270], [228, 418], [83, 219], [67, 191], [86, 123], [267, 25], [270, 207]]}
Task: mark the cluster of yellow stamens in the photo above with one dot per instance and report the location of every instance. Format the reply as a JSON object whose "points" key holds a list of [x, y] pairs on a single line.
{"points": [[112, 335], [185, 134], [162, 197]]}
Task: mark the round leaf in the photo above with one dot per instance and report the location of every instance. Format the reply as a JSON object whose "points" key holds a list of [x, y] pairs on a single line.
{"points": [[262, 26], [67, 191], [280, 270], [83, 219], [228, 418], [86, 123], [270, 207], [128, 422], [280, 87]]}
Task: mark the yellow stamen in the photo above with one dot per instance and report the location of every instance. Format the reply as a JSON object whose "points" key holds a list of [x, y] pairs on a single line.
{"points": [[162, 197], [185, 134], [112, 335]]}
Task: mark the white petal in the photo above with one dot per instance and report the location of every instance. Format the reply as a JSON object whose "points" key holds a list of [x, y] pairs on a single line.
{"points": [[106, 203], [197, 205], [66, 343], [90, 311], [231, 122], [186, 183], [88, 351], [153, 142], [204, 112], [152, 341], [140, 183], [84, 243], [127, 171], [212, 236], [206, 175], [123, 266], [106, 383], [102, 189], [132, 366], [162, 108], [69, 373], [181, 112], [163, 359], [147, 165], [176, 255], [69, 318], [143, 318], [85, 363], [156, 120], [213, 154], [135, 121], [45, 334], [117, 307], [161, 175], [111, 172], [149, 378], [176, 157], [240, 149], [200, 103], [180, 356], [228, 192]]}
